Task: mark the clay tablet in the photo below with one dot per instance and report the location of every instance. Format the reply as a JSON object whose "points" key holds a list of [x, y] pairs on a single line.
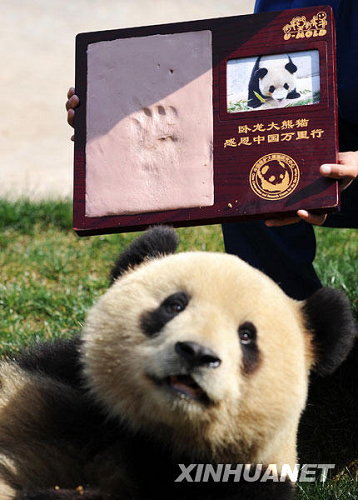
{"points": [[149, 124]]}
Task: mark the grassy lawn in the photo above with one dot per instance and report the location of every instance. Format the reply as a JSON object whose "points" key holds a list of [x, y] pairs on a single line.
{"points": [[49, 277]]}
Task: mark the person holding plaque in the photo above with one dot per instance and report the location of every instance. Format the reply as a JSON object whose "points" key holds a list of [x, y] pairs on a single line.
{"points": [[285, 248]]}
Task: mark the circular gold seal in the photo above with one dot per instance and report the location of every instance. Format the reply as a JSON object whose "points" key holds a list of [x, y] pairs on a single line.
{"points": [[274, 176]]}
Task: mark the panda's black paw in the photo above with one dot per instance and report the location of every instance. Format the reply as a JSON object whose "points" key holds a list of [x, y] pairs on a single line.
{"points": [[254, 103], [293, 95]]}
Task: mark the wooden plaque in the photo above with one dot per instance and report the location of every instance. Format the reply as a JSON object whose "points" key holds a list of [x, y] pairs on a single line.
{"points": [[205, 122]]}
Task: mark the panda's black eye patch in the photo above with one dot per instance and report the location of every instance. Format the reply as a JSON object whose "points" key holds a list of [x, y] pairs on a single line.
{"points": [[250, 351], [271, 89], [153, 321], [286, 86]]}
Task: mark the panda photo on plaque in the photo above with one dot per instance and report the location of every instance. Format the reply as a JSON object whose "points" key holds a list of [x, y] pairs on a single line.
{"points": [[273, 81]]}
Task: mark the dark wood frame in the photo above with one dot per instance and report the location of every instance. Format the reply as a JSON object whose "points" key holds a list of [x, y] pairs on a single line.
{"points": [[232, 37]]}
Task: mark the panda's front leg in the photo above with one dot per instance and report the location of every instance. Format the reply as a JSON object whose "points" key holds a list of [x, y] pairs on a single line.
{"points": [[293, 94]]}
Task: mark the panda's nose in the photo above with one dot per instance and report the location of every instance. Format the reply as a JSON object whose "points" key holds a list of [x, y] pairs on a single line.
{"points": [[197, 355]]}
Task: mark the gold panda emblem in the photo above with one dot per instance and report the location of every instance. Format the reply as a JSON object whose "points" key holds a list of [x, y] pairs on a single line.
{"points": [[274, 176]]}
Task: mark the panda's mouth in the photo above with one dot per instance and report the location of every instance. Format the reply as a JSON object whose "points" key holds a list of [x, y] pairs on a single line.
{"points": [[185, 387]]}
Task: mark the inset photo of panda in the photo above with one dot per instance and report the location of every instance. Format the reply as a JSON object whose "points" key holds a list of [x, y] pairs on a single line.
{"points": [[273, 81]]}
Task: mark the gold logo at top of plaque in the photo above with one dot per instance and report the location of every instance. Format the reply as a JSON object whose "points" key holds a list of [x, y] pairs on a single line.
{"points": [[300, 27], [274, 176]]}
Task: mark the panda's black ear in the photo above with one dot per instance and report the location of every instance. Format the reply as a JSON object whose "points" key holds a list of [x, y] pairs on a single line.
{"points": [[329, 318], [156, 242], [260, 73], [290, 66]]}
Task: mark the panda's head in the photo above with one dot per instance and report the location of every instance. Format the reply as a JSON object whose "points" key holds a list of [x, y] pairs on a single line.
{"points": [[276, 76], [204, 347]]}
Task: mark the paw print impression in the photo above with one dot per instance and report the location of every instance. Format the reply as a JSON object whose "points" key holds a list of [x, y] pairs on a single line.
{"points": [[157, 135]]}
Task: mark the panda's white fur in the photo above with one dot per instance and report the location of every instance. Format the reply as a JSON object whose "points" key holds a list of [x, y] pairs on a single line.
{"points": [[273, 77], [218, 306], [192, 356]]}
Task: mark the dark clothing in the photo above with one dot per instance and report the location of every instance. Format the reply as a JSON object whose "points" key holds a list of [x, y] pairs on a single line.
{"points": [[286, 253], [346, 19]]}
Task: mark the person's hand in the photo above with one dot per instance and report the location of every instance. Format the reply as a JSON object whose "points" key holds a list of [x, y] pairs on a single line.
{"points": [[345, 171], [71, 104]]}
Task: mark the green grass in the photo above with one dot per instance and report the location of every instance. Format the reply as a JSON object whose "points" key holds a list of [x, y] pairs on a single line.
{"points": [[337, 261], [27, 217], [343, 488], [49, 278]]}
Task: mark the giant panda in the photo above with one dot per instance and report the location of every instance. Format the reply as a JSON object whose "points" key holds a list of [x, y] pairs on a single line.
{"points": [[188, 358], [272, 77]]}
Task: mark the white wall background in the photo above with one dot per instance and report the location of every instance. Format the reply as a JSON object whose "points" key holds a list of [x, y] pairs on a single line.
{"points": [[37, 68]]}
